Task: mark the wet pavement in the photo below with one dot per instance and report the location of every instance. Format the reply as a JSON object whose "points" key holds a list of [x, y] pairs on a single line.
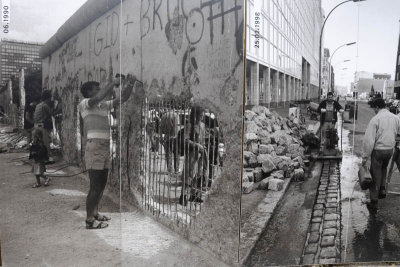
{"points": [[367, 237]]}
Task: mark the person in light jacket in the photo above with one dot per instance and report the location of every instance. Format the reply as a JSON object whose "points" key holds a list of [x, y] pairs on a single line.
{"points": [[378, 144]]}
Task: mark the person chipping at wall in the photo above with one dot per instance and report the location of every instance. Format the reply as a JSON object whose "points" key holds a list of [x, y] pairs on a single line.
{"points": [[38, 152], [94, 113]]}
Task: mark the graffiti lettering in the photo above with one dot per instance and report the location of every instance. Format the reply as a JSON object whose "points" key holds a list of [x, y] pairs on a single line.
{"points": [[126, 24], [106, 38], [144, 29], [97, 48], [194, 26], [222, 14], [115, 21], [155, 13], [176, 8]]}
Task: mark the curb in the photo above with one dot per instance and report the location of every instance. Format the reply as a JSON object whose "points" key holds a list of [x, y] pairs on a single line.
{"points": [[261, 217]]}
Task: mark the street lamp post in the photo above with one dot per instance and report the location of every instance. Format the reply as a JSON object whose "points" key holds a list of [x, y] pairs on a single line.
{"points": [[320, 42], [330, 60]]}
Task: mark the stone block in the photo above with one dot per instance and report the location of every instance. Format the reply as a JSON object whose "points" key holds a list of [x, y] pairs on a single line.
{"points": [[330, 211], [327, 261], [247, 187], [329, 231], [318, 207], [253, 147], [332, 200], [314, 237], [264, 183], [280, 150], [330, 217], [315, 227], [308, 259], [265, 149], [318, 213], [311, 249], [250, 137], [327, 241], [328, 253], [258, 174], [267, 163], [298, 174], [332, 205], [316, 219], [329, 224], [275, 184], [247, 177], [279, 174], [249, 115], [320, 201]]}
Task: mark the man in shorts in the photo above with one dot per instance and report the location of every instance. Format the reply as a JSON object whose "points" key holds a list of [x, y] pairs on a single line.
{"points": [[95, 115]]}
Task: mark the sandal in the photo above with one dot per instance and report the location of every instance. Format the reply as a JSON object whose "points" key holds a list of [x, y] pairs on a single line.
{"points": [[47, 182], [95, 225], [102, 218], [36, 185]]}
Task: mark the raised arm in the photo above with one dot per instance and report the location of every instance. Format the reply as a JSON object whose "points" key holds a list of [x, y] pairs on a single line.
{"points": [[104, 91], [127, 87]]}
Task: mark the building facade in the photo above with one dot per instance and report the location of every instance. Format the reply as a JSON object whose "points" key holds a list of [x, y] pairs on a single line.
{"points": [[326, 69], [17, 55], [381, 83], [397, 72], [282, 51]]}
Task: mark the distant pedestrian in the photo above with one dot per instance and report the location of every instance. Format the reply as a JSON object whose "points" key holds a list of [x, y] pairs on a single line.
{"points": [[38, 152], [378, 144], [42, 117], [94, 113]]}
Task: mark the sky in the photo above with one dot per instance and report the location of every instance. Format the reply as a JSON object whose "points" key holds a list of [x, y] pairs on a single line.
{"points": [[38, 20], [376, 34], [374, 25]]}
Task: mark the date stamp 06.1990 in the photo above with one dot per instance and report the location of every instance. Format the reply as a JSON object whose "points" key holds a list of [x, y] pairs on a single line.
{"points": [[5, 16], [257, 23]]}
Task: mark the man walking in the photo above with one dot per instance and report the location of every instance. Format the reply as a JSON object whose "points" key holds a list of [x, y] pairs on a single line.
{"points": [[378, 143], [95, 114], [42, 117]]}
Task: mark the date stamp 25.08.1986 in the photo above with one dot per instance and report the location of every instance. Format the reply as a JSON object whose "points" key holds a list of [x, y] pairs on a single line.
{"points": [[5, 16]]}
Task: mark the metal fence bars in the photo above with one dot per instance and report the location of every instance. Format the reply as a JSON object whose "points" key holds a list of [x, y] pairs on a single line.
{"points": [[181, 155]]}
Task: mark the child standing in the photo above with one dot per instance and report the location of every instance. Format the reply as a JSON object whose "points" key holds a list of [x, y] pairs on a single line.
{"points": [[38, 152]]}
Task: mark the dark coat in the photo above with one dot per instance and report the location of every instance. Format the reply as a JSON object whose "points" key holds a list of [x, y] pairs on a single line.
{"points": [[336, 108]]}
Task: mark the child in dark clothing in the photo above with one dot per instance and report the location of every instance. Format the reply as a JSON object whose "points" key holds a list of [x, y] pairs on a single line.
{"points": [[38, 152]]}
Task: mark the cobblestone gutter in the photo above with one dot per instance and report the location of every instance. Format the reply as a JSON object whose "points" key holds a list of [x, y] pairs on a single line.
{"points": [[323, 239]]}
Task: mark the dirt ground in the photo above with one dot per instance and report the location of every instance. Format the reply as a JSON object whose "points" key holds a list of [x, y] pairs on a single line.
{"points": [[45, 227]]}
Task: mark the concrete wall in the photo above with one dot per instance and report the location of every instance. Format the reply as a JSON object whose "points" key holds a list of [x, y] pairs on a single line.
{"points": [[172, 46]]}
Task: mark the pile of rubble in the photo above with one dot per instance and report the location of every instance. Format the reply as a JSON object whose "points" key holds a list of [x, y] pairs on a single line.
{"points": [[273, 150], [11, 139]]}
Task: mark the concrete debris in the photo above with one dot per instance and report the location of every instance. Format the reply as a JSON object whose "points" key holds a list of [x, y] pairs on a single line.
{"points": [[275, 184], [273, 149], [247, 187]]}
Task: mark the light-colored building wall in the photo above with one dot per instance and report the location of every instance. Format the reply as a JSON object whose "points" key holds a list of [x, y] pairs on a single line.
{"points": [[288, 44]]}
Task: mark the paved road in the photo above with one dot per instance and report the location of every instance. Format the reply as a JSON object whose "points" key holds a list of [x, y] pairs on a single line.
{"points": [[366, 237], [45, 227], [282, 242]]}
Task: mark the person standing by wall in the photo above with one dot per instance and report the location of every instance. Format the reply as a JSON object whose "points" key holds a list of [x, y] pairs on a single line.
{"points": [[94, 113], [42, 117], [378, 143], [28, 120]]}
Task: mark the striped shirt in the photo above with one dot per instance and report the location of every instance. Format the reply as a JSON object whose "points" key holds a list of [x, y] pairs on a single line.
{"points": [[96, 120]]}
